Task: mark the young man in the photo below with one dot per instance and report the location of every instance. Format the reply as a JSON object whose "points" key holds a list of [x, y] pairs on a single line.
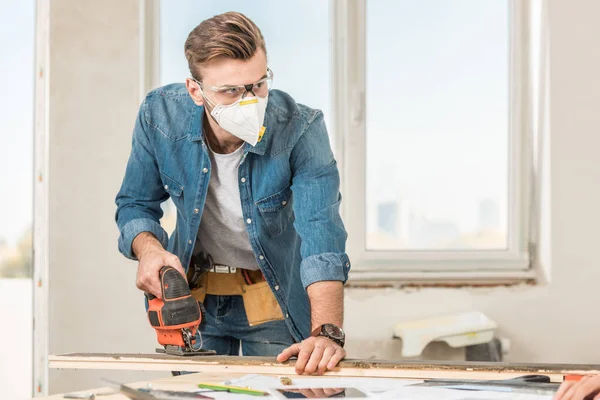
{"points": [[587, 388], [256, 188]]}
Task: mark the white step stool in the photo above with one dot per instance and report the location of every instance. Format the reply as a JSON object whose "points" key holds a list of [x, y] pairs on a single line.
{"points": [[457, 330]]}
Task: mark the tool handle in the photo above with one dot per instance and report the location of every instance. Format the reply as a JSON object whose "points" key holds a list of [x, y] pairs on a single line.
{"points": [[177, 308], [172, 284], [149, 296]]}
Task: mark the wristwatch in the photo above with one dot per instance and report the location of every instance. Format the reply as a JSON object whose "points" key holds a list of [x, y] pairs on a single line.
{"points": [[332, 332]]}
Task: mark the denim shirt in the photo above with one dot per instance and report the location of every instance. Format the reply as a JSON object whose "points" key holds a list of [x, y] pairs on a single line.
{"points": [[289, 191]]}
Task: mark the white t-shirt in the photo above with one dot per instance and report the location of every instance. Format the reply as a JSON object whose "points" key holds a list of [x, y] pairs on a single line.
{"points": [[222, 232]]}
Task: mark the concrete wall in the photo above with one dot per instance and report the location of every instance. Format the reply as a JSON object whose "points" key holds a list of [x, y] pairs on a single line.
{"points": [[95, 307]]}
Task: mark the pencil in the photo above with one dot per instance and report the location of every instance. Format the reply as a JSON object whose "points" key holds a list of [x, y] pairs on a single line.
{"points": [[232, 389]]}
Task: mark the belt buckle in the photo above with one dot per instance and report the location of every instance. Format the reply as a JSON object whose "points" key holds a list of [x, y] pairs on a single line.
{"points": [[224, 269]]}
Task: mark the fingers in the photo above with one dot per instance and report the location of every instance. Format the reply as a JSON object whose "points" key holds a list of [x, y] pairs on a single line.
{"points": [[148, 275], [563, 389], [315, 355], [315, 393], [315, 358], [327, 354], [312, 393], [587, 388], [147, 280], [596, 387], [291, 351], [339, 355], [174, 262], [570, 392], [331, 391], [306, 349]]}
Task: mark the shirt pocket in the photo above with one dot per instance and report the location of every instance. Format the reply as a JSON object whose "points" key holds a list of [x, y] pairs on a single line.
{"points": [[277, 212], [175, 191]]}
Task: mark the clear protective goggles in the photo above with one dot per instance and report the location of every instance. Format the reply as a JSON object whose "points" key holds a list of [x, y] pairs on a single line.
{"points": [[226, 95]]}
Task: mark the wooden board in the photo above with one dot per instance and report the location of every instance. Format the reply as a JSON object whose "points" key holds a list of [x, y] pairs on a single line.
{"points": [[349, 367]]}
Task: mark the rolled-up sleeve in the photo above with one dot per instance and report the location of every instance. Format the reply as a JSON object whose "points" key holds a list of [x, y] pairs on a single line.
{"points": [[141, 194], [315, 187]]}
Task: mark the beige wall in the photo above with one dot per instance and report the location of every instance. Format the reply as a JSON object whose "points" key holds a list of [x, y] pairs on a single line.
{"points": [[94, 306]]}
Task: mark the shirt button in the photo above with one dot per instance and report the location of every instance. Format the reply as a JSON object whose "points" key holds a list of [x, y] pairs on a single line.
{"points": [[276, 287], [283, 203], [243, 180], [249, 221], [196, 211], [287, 315], [189, 242], [261, 257], [347, 264], [166, 187], [205, 170]]}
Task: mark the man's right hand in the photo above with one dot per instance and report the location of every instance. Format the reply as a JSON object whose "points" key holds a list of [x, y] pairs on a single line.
{"points": [[587, 388], [152, 257]]}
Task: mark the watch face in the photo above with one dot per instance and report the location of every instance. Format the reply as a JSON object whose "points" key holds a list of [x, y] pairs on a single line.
{"points": [[333, 331]]}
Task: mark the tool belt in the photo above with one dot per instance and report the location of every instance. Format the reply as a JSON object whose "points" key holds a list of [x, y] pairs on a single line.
{"points": [[260, 303]]}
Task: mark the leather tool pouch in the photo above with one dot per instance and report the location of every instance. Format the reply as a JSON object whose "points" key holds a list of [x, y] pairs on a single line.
{"points": [[260, 303], [199, 293]]}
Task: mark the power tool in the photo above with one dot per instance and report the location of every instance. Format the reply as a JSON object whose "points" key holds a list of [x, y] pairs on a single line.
{"points": [[177, 316]]}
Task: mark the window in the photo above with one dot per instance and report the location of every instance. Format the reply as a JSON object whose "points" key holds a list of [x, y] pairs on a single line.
{"points": [[16, 203], [430, 113], [437, 115], [437, 150], [296, 55], [294, 51]]}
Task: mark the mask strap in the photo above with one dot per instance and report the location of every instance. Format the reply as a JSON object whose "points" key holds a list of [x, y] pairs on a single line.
{"points": [[206, 99]]}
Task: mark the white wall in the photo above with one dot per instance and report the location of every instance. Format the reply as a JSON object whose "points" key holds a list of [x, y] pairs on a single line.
{"points": [[549, 323], [15, 354], [94, 306]]}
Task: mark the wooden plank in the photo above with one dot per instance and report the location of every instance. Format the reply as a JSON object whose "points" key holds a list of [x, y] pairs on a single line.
{"points": [[348, 367]]}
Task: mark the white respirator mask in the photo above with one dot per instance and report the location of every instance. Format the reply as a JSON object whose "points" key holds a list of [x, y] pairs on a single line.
{"points": [[243, 119]]}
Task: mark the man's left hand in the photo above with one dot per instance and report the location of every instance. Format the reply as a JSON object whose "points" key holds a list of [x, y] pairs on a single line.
{"points": [[315, 355]]}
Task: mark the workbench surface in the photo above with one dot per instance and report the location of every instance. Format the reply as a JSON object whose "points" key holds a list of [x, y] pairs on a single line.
{"points": [[216, 369]]}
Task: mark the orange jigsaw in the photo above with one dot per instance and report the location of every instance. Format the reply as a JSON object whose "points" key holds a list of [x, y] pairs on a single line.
{"points": [[177, 316]]}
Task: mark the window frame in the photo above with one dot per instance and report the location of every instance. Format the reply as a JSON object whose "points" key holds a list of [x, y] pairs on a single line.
{"points": [[348, 31], [39, 385]]}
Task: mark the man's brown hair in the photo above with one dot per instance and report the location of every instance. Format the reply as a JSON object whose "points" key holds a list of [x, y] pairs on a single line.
{"points": [[230, 35]]}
